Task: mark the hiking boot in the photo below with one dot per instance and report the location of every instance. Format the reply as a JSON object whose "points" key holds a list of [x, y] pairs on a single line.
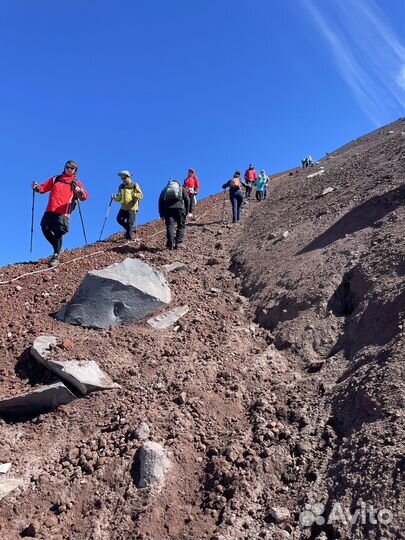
{"points": [[179, 246], [54, 260]]}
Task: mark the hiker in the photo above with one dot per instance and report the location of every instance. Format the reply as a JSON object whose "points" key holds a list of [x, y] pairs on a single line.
{"points": [[250, 178], [265, 183], [310, 161], [129, 194], [192, 186], [65, 190], [303, 162], [235, 195], [174, 205]]}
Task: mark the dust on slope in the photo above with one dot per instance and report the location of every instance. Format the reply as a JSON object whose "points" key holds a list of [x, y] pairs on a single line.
{"points": [[332, 293]]}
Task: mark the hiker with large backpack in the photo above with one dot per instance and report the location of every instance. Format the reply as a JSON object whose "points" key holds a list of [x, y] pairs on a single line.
{"points": [[129, 194], [174, 204], [235, 195], [192, 186], [65, 192], [250, 179]]}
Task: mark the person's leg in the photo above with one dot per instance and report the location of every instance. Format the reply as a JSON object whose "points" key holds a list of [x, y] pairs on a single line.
{"points": [[170, 225], [180, 218], [239, 206], [192, 204], [234, 203], [130, 224], [122, 218]]}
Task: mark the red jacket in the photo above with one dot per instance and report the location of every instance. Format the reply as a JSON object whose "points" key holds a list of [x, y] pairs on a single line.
{"points": [[61, 193], [250, 175], [192, 184]]}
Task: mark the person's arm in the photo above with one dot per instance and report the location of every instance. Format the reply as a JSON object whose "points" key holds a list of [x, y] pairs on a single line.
{"points": [[117, 198], [138, 195], [196, 185], [224, 186], [80, 192], [45, 186]]}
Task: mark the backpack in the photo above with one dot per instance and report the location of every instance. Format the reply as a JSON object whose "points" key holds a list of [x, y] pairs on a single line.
{"points": [[234, 183], [173, 192], [73, 202]]}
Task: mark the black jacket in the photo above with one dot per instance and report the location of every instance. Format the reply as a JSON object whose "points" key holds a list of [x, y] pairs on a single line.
{"points": [[164, 206]]}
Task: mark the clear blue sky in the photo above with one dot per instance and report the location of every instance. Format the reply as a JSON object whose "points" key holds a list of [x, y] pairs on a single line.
{"points": [[157, 86]]}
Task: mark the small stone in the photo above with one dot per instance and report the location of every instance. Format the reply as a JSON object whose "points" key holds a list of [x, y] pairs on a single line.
{"points": [[280, 513]]}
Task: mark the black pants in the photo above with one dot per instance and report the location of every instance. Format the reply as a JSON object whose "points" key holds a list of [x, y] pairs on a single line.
{"points": [[236, 201], [173, 217], [54, 226], [126, 218], [248, 189], [259, 195]]}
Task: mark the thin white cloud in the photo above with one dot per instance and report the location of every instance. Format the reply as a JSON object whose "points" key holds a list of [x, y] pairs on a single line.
{"points": [[367, 52]]}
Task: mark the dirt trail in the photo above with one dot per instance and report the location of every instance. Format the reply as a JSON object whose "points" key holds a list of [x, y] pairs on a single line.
{"points": [[279, 396]]}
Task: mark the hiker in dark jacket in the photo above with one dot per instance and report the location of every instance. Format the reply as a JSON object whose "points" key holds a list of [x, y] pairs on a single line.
{"points": [[174, 204], [235, 195], [64, 190]]}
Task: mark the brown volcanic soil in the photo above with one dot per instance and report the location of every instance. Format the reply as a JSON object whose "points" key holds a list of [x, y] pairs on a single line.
{"points": [[290, 395]]}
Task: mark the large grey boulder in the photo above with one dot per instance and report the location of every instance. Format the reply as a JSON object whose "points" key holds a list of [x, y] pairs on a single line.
{"points": [[85, 375], [43, 399], [153, 465], [121, 293]]}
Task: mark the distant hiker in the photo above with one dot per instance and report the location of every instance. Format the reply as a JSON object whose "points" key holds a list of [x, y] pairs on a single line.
{"points": [[303, 162], [235, 195], [192, 186], [250, 178], [310, 161], [129, 194], [174, 204], [262, 181], [65, 189]]}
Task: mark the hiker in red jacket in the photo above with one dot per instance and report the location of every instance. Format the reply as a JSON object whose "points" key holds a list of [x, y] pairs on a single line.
{"points": [[250, 179], [64, 189], [192, 186]]}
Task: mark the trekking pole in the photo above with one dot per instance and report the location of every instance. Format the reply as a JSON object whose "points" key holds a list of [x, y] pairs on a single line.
{"points": [[105, 220], [81, 219], [32, 219], [135, 222]]}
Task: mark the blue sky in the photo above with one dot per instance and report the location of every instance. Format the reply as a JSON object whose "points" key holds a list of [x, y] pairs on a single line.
{"points": [[157, 86]]}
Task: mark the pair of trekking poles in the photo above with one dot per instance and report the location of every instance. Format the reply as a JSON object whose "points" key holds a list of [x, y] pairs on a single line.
{"points": [[81, 219], [33, 214]]}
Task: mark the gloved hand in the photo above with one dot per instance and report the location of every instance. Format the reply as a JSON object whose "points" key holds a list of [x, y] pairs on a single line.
{"points": [[35, 187]]}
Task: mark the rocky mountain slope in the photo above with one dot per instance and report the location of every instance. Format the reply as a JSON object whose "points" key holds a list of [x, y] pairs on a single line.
{"points": [[279, 397]]}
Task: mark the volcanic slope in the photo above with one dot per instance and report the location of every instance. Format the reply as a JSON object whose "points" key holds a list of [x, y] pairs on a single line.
{"points": [[278, 397]]}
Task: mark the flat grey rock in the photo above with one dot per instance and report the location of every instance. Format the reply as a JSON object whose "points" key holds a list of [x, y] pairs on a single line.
{"points": [[44, 399], [85, 375], [8, 485], [174, 267], [168, 318], [121, 293], [327, 190], [5, 467], [318, 173], [153, 465]]}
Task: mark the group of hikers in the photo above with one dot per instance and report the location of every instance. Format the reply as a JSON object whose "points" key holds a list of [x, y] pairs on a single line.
{"points": [[307, 162], [176, 203]]}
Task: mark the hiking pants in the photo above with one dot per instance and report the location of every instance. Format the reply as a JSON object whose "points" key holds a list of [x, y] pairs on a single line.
{"points": [[192, 203], [236, 201], [126, 218], [259, 195], [248, 189], [54, 226], [173, 217]]}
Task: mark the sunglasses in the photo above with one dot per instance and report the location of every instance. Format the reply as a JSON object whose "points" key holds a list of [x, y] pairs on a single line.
{"points": [[70, 168]]}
